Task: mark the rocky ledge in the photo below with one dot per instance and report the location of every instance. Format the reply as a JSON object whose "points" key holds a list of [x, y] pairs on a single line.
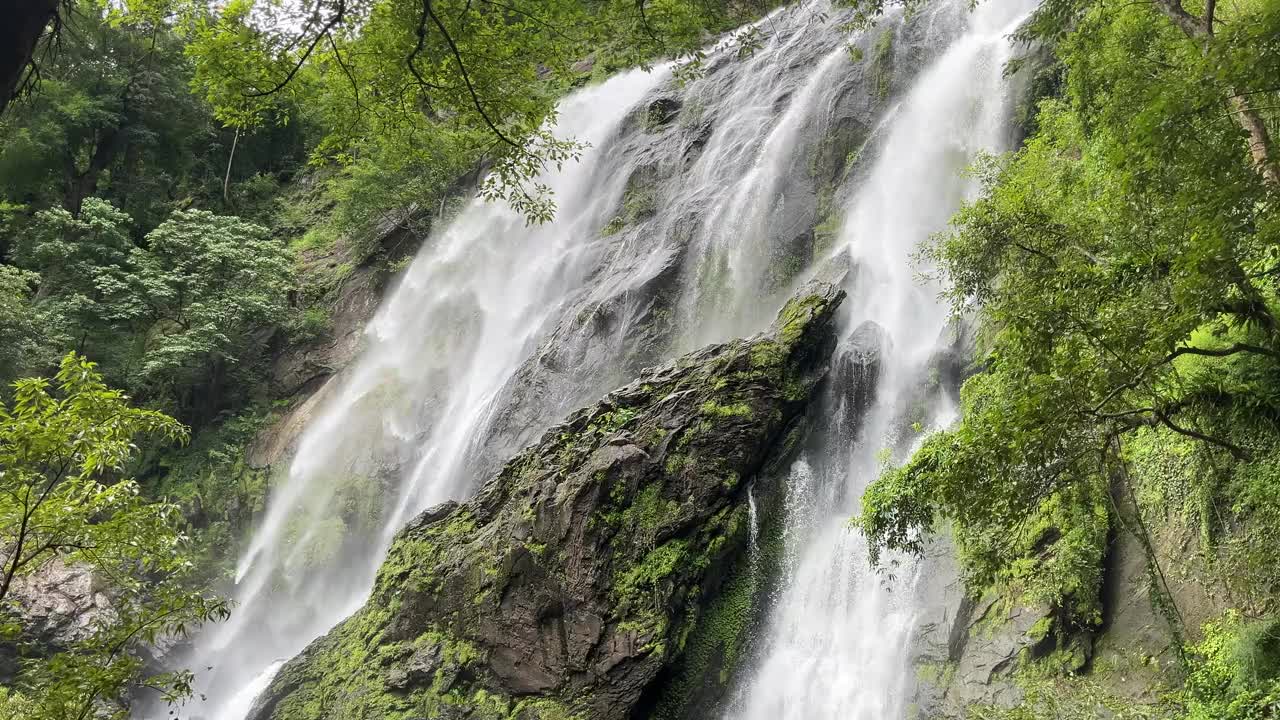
{"points": [[582, 578]]}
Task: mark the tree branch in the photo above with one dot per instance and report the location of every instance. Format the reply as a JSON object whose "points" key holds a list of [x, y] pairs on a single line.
{"points": [[1236, 451], [338, 15], [1185, 21], [466, 78], [337, 56], [1222, 352]]}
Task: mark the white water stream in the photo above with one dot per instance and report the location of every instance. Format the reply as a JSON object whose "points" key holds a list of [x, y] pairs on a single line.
{"points": [[498, 328], [838, 640]]}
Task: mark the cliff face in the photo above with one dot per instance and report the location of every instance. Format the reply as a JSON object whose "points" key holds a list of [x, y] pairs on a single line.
{"points": [[582, 574]]}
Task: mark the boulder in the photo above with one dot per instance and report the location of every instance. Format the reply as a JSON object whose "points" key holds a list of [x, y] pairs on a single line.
{"points": [[56, 607], [573, 582]]}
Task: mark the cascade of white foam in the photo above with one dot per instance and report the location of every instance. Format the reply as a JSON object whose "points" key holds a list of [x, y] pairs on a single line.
{"points": [[459, 352], [462, 320], [399, 431], [837, 640]]}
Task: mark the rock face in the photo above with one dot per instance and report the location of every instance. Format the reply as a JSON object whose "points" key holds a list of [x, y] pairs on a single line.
{"points": [[857, 369], [581, 575], [56, 606]]}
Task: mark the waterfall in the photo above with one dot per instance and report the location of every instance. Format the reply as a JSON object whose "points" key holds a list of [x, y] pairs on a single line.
{"points": [[837, 642], [688, 219], [468, 312]]}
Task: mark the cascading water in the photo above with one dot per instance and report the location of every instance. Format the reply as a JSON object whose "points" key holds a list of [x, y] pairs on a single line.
{"points": [[689, 219], [838, 640], [465, 316]]}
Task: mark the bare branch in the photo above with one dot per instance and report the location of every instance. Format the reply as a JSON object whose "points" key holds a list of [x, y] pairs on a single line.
{"points": [[466, 78], [338, 15]]}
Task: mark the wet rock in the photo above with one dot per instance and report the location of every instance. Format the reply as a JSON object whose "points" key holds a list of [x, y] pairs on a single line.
{"points": [[585, 65], [856, 372], [56, 607], [968, 650], [953, 362], [574, 578], [838, 148], [662, 111], [696, 140], [787, 260]]}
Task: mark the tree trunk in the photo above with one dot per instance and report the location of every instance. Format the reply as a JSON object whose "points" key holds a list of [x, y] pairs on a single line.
{"points": [[21, 29], [1259, 140], [81, 185], [1200, 31]]}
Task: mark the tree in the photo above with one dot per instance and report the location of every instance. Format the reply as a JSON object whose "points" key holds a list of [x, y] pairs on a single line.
{"points": [[170, 319], [115, 118], [64, 446], [113, 109], [80, 261], [30, 337], [450, 81], [1124, 267], [203, 289], [1202, 30], [19, 37], [431, 90]]}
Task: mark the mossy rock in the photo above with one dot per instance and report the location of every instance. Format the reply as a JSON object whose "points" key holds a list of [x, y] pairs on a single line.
{"points": [[592, 563]]}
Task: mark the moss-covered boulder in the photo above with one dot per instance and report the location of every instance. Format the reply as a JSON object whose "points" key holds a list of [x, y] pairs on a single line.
{"points": [[580, 573]]}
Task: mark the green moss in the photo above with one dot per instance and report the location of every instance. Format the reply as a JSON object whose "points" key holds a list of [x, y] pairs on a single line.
{"points": [[767, 355], [639, 203], [543, 709], [612, 421], [936, 674], [882, 64], [634, 584], [460, 524], [1040, 630], [614, 226], [715, 409], [714, 643], [315, 238], [796, 317], [312, 324], [675, 462]]}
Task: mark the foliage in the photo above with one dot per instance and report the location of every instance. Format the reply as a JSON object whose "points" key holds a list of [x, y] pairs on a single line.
{"points": [[113, 117], [1123, 264], [63, 446], [426, 90], [1074, 698], [170, 319], [215, 488], [81, 261], [204, 284], [1235, 671], [29, 336]]}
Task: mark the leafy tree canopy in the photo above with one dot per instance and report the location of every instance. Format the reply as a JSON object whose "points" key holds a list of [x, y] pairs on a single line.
{"points": [[443, 81], [1123, 264], [64, 447]]}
